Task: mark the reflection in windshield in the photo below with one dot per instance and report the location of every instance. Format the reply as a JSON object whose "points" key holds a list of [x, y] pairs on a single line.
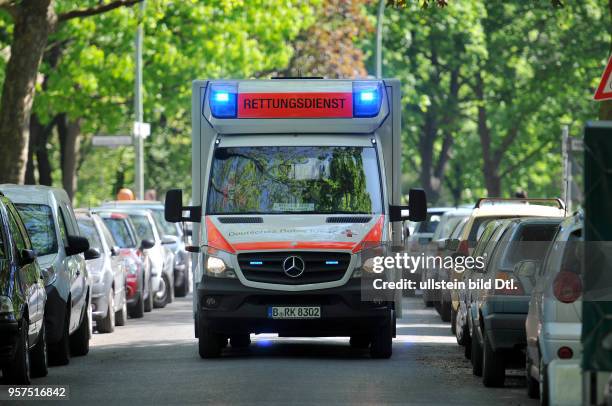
{"points": [[143, 227], [38, 219], [120, 232], [88, 229], [165, 227], [276, 180]]}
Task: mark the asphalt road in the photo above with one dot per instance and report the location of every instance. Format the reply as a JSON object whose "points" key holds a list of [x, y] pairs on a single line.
{"points": [[155, 361]]}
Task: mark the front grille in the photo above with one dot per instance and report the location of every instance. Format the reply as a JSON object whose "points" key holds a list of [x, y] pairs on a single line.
{"points": [[320, 267]]}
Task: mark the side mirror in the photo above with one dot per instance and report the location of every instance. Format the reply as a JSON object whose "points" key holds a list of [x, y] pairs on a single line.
{"points": [[115, 251], [147, 244], [415, 211], [27, 257], [526, 269], [173, 208], [76, 245], [92, 253], [169, 239]]}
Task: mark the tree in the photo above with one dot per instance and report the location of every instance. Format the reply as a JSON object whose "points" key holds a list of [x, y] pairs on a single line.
{"points": [[34, 21]]}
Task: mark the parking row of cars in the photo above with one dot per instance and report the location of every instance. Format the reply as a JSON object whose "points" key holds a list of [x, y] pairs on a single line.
{"points": [[62, 270], [531, 250]]}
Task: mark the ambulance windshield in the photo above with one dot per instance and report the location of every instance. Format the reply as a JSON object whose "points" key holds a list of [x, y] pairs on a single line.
{"points": [[300, 179]]}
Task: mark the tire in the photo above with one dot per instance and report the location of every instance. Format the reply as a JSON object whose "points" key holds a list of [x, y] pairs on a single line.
{"points": [[445, 310], [467, 349], [148, 302], [453, 322], [137, 310], [181, 291], [240, 341], [107, 324], [462, 332], [359, 342], [39, 362], [493, 369], [79, 340], [533, 386], [17, 372], [121, 314], [476, 358], [59, 353], [161, 300], [209, 343], [381, 345], [543, 384]]}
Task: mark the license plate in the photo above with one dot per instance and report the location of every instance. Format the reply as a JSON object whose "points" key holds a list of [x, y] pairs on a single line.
{"points": [[294, 312]]}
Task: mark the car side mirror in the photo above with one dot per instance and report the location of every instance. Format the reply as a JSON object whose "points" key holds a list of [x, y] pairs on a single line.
{"points": [[147, 244], [169, 239], [27, 257], [115, 251], [173, 208], [415, 211], [92, 253], [76, 245], [526, 269]]}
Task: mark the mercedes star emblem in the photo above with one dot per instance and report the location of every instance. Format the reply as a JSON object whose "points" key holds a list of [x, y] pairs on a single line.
{"points": [[294, 266]]}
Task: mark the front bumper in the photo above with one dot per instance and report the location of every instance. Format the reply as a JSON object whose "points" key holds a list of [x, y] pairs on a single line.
{"points": [[55, 312], [240, 309], [8, 339]]}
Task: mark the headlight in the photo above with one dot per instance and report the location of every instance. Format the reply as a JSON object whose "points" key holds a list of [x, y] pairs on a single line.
{"points": [[49, 275], [369, 262], [6, 305], [217, 262]]}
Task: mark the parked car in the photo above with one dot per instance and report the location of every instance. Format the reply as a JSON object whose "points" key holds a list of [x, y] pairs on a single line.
{"points": [[134, 250], [161, 258], [497, 315], [554, 320], [448, 222], [108, 274], [23, 347], [182, 259], [49, 218]]}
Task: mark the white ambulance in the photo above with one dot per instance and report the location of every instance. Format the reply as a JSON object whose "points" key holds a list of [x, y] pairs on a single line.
{"points": [[296, 187]]}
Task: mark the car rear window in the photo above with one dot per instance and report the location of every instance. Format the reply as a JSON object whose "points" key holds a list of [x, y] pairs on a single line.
{"points": [[38, 219], [121, 233], [530, 242], [143, 227]]}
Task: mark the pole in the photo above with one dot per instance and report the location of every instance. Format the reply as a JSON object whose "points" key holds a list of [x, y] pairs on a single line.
{"points": [[379, 28], [567, 169], [138, 114]]}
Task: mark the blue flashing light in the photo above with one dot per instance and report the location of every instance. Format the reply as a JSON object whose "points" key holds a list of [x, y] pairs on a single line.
{"points": [[367, 98], [223, 100], [256, 263], [331, 262]]}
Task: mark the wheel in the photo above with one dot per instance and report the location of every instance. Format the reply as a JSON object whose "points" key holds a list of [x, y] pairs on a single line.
{"points": [[543, 383], [462, 331], [359, 341], [382, 340], [18, 370], [240, 341], [533, 386], [161, 297], [121, 315], [107, 324], [148, 302], [209, 343], [38, 356], [136, 311], [453, 322], [445, 310], [467, 349], [181, 291], [493, 369], [476, 357], [79, 340], [59, 353]]}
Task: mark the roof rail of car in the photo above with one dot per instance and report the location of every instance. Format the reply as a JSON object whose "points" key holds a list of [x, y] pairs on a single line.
{"points": [[492, 200]]}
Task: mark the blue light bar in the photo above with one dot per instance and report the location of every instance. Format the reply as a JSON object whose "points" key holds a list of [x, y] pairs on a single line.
{"points": [[223, 100], [331, 262], [367, 98], [256, 263]]}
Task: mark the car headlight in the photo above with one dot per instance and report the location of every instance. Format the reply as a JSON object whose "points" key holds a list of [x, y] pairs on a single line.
{"points": [[49, 275], [369, 262], [216, 264], [6, 305]]}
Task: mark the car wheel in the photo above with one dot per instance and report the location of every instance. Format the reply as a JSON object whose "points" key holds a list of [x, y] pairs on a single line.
{"points": [[240, 341], [121, 315], [79, 340], [382, 341], [38, 356], [209, 343], [136, 311], [148, 302], [533, 386], [18, 370], [453, 322], [476, 357], [467, 349], [107, 324], [462, 331], [181, 291], [59, 353], [359, 341], [543, 384], [445, 310], [493, 369], [160, 298]]}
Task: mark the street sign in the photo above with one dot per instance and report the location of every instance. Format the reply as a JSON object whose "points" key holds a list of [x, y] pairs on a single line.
{"points": [[111, 141], [604, 90], [142, 129]]}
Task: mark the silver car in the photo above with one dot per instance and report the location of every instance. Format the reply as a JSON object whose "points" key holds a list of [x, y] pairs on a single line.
{"points": [[554, 320], [108, 274]]}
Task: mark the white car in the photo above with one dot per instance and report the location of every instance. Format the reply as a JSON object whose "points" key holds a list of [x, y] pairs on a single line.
{"points": [[49, 218]]}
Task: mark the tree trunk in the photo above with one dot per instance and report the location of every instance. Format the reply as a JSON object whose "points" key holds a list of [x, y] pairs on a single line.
{"points": [[605, 107], [34, 20], [35, 130], [69, 132]]}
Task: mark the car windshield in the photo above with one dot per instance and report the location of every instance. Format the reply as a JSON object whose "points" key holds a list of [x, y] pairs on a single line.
{"points": [[120, 231], [88, 230], [309, 180], [165, 227], [143, 227], [38, 219]]}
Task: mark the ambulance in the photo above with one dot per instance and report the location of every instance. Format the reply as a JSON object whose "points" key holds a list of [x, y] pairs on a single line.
{"points": [[296, 187]]}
